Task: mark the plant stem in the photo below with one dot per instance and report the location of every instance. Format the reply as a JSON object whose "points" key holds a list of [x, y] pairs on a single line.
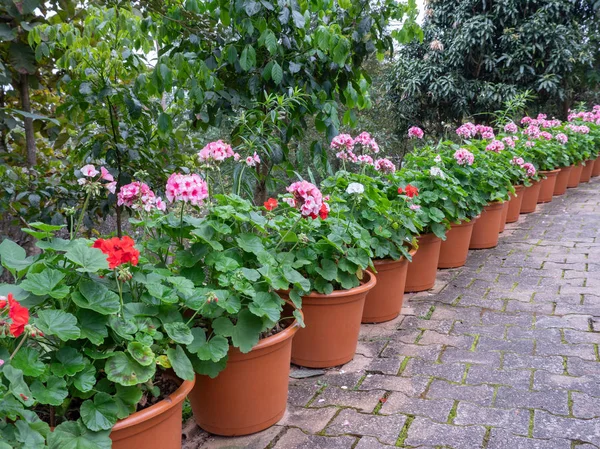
{"points": [[18, 347], [181, 223], [288, 231], [120, 291], [239, 187], [80, 221]]}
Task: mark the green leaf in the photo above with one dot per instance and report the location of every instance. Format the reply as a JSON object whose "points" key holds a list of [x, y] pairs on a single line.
{"points": [[22, 58], [251, 274], [26, 434], [99, 414], [340, 51], [208, 367], [53, 393], [122, 369], [141, 353], [127, 399], [214, 349], [276, 73], [181, 363], [92, 325], [10, 249], [124, 328], [27, 359], [268, 305], [179, 333], [85, 380], [48, 282], [248, 58], [89, 260], [246, 331], [165, 124], [69, 362], [293, 276], [328, 270], [74, 435], [250, 243], [18, 387], [59, 323], [97, 297]]}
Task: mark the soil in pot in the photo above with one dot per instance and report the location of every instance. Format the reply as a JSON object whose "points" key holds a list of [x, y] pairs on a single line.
{"points": [[530, 197], [586, 171], [485, 230], [514, 204], [423, 268], [332, 326], [250, 394], [548, 185], [455, 249], [596, 169], [575, 176], [384, 301], [562, 180]]}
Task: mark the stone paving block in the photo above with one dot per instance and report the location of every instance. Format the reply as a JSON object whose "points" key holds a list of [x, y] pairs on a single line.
{"points": [[385, 428], [431, 337], [385, 365], [478, 301], [502, 439], [578, 322], [541, 308], [258, 440], [479, 394], [550, 363], [449, 371], [585, 406], [411, 386], [302, 391], [357, 365], [294, 438], [553, 401], [547, 425], [579, 367], [370, 348], [521, 333], [481, 374], [523, 319], [516, 421], [371, 443], [452, 355], [362, 400], [573, 336], [586, 384], [464, 328], [423, 431], [583, 351], [429, 352], [523, 347], [340, 377], [307, 419], [435, 409], [414, 322]]}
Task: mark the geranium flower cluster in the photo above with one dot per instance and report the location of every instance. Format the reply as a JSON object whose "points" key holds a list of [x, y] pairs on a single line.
{"points": [[527, 166], [138, 195], [409, 190], [587, 116], [581, 129], [562, 138], [469, 130], [511, 128], [187, 188], [496, 146], [19, 315], [367, 142], [308, 199], [546, 135], [541, 121], [217, 151], [510, 141], [464, 156], [415, 132], [252, 161], [346, 147], [384, 165], [89, 172], [118, 250]]}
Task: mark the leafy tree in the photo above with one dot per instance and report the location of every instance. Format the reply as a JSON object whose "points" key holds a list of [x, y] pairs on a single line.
{"points": [[476, 54]]}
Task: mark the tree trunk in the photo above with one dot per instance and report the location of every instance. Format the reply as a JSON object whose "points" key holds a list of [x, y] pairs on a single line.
{"points": [[3, 148], [27, 122]]}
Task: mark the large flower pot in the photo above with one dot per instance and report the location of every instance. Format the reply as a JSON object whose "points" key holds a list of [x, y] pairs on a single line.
{"points": [[485, 231], [332, 326], [562, 180], [548, 185], [384, 301], [503, 217], [250, 394], [575, 176], [586, 171], [423, 268], [596, 169], [530, 197], [514, 204], [455, 249], [156, 427]]}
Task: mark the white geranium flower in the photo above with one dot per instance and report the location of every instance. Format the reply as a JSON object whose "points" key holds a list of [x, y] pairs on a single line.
{"points": [[438, 158], [355, 187], [436, 171]]}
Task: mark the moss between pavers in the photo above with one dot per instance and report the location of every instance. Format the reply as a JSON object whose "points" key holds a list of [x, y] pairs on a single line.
{"points": [[404, 432]]}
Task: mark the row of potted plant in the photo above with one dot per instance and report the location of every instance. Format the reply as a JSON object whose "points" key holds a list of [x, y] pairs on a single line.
{"points": [[102, 339]]}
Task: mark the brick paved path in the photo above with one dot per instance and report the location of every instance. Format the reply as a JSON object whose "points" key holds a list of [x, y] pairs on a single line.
{"points": [[503, 353]]}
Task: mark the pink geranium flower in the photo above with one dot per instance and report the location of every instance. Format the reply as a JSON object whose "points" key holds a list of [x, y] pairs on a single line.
{"points": [[415, 132], [187, 188]]}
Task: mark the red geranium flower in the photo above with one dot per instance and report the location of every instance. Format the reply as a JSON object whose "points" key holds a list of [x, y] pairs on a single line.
{"points": [[19, 316], [271, 204], [411, 191], [324, 211], [118, 250]]}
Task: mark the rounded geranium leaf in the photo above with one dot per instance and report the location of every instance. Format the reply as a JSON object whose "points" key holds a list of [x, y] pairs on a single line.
{"points": [[181, 363], [124, 370], [97, 297], [179, 333], [27, 359], [74, 435], [124, 328], [85, 380], [59, 323], [99, 414], [141, 353], [53, 393], [69, 362]]}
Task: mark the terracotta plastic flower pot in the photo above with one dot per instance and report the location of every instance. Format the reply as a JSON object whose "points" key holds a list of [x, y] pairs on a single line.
{"points": [[575, 176], [547, 186], [423, 268], [250, 394], [332, 326], [455, 249], [514, 204], [503, 217], [158, 426], [562, 180], [485, 231], [596, 169], [384, 301], [530, 197], [586, 171]]}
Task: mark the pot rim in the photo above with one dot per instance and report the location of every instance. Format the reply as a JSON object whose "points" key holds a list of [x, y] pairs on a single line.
{"points": [[519, 187], [495, 205], [567, 168], [550, 172], [430, 236], [279, 336], [362, 288], [390, 261], [157, 409]]}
